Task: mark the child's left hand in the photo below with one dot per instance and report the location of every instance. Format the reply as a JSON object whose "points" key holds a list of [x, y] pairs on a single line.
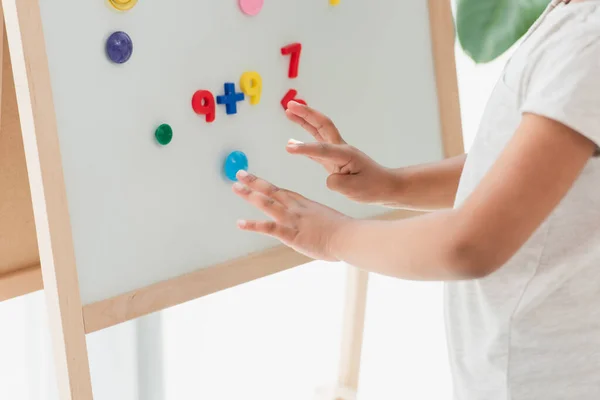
{"points": [[302, 224]]}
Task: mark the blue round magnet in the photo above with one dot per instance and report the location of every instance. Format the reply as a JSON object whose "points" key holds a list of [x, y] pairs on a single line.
{"points": [[119, 47], [235, 162]]}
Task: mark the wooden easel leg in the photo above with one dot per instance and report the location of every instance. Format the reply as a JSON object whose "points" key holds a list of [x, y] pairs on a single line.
{"points": [[2, 50], [19, 259], [26, 49], [352, 334]]}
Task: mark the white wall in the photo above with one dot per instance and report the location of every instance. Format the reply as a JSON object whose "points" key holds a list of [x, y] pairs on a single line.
{"points": [[272, 339]]}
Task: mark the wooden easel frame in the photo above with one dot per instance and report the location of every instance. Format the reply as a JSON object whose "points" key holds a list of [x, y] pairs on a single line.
{"points": [[70, 321]]}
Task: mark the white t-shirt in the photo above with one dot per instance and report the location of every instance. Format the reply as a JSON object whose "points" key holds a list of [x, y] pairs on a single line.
{"points": [[531, 330]]}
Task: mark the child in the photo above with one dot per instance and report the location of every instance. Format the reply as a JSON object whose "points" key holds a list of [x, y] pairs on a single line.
{"points": [[515, 230]]}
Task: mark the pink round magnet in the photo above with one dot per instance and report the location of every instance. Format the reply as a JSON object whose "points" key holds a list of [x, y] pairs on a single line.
{"points": [[251, 7]]}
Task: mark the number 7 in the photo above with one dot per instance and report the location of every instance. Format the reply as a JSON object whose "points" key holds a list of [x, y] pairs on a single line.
{"points": [[294, 50]]}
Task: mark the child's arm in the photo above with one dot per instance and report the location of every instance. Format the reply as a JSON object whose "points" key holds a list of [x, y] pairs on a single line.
{"points": [[429, 187], [532, 175], [358, 177]]}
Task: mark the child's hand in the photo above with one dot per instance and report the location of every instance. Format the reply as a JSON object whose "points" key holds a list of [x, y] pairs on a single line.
{"points": [[352, 173], [302, 224]]}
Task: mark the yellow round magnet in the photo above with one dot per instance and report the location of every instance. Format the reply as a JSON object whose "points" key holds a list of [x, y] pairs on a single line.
{"points": [[123, 5]]}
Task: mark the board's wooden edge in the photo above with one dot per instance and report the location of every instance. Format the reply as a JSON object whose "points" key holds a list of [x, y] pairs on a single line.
{"points": [[44, 166], [441, 24], [20, 282], [443, 39], [159, 296]]}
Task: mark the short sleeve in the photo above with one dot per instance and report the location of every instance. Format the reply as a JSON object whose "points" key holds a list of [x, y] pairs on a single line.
{"points": [[564, 85]]}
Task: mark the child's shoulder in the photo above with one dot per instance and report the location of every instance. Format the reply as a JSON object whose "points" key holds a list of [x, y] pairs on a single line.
{"points": [[577, 19], [573, 32], [568, 38]]}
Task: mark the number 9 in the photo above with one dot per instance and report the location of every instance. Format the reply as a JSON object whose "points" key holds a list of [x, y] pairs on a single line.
{"points": [[251, 84]]}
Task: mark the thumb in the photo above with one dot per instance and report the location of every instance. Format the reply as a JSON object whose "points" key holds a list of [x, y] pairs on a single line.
{"points": [[344, 183]]}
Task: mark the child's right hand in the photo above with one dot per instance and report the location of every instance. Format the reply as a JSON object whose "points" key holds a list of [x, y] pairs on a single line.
{"points": [[351, 172]]}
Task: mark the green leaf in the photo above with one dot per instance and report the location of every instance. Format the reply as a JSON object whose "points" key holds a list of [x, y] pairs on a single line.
{"points": [[488, 28]]}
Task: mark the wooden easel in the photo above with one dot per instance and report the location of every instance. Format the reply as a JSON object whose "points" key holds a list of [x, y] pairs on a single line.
{"points": [[19, 262], [20, 271]]}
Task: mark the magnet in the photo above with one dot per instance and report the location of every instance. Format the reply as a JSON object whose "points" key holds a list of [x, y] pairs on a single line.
{"points": [[123, 5], [293, 50], [119, 47], [230, 98], [164, 134], [203, 103], [251, 85], [289, 96], [235, 162], [251, 7]]}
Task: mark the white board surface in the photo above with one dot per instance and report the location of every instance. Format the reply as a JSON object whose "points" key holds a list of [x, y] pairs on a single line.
{"points": [[142, 213]]}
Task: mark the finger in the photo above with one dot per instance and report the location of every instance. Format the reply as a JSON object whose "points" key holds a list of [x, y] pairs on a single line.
{"points": [[283, 196], [296, 197], [302, 122], [326, 164], [268, 205], [320, 122], [262, 186], [271, 228], [338, 154]]}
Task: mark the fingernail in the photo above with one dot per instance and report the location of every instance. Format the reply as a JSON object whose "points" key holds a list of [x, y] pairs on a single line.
{"points": [[297, 103], [238, 186], [242, 174], [293, 144], [241, 223]]}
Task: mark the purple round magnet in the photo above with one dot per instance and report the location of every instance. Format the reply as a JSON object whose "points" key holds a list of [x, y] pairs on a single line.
{"points": [[119, 47]]}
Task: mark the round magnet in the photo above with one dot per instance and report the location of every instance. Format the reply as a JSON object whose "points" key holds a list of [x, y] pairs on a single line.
{"points": [[164, 134], [119, 47], [123, 5], [235, 162], [251, 7]]}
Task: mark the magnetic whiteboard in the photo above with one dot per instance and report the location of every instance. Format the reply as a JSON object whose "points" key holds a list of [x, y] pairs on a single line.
{"points": [[143, 213]]}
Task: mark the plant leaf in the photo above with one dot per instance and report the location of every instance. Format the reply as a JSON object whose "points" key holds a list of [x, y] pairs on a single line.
{"points": [[487, 28]]}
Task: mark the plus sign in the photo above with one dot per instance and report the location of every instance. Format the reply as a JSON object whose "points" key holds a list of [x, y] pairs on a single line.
{"points": [[230, 98]]}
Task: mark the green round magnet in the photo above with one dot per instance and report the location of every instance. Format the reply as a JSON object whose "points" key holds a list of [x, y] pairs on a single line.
{"points": [[164, 134]]}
